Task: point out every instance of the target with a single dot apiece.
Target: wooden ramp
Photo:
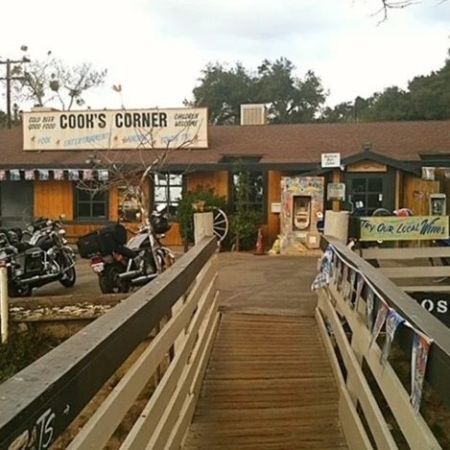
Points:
(269, 385)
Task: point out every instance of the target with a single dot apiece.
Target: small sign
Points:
(394, 228)
(336, 191)
(275, 207)
(438, 304)
(331, 160)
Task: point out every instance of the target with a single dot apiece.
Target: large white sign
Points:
(108, 129)
(331, 160)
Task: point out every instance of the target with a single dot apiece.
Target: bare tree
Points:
(47, 80)
(387, 5)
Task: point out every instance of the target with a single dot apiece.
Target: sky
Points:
(156, 49)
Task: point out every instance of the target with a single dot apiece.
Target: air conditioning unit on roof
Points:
(253, 114)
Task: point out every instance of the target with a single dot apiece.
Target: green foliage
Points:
(245, 221)
(21, 350)
(185, 212)
(290, 99)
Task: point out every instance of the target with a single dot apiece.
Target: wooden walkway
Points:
(269, 385)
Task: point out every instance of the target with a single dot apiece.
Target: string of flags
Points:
(54, 174)
(332, 266)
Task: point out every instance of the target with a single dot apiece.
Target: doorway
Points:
(16, 203)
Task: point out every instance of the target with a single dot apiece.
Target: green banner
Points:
(395, 228)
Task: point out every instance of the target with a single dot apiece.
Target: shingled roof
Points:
(275, 144)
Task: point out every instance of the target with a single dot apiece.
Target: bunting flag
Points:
(103, 175)
(29, 174)
(393, 320)
(369, 308)
(338, 275)
(74, 175)
(88, 174)
(58, 174)
(14, 175)
(419, 356)
(44, 174)
(2, 175)
(351, 285)
(343, 278)
(359, 288)
(379, 321)
(321, 280)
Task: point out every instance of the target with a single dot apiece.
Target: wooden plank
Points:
(404, 253)
(352, 426)
(416, 272)
(267, 393)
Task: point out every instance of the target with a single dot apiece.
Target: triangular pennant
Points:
(393, 320)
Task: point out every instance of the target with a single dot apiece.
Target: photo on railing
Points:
(358, 293)
(421, 347)
(393, 320)
(382, 313)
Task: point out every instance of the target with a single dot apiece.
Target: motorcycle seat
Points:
(125, 251)
(22, 246)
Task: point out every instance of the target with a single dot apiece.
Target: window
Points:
(249, 191)
(91, 205)
(168, 189)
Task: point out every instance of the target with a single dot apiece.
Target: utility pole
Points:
(8, 79)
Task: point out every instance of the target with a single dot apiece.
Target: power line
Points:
(8, 79)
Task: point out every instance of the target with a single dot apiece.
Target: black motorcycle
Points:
(37, 257)
(122, 265)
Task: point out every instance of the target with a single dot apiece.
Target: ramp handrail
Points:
(354, 352)
(40, 402)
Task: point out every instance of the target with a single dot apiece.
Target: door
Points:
(367, 192)
(16, 203)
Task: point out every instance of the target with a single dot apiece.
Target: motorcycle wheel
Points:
(70, 276)
(19, 291)
(109, 281)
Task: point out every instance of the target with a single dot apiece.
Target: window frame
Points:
(90, 218)
(167, 185)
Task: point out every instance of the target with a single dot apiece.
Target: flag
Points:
(321, 280)
(379, 321)
(419, 357)
(393, 320)
(369, 308)
(29, 174)
(58, 174)
(74, 175)
(359, 288)
(2, 175)
(88, 174)
(14, 175)
(103, 175)
(43, 174)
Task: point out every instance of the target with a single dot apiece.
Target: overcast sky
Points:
(156, 49)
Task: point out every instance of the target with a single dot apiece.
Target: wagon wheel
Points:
(220, 224)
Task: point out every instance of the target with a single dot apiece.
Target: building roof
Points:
(299, 144)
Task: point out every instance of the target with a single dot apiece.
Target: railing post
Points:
(203, 226)
(4, 303)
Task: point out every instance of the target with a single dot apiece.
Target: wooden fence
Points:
(362, 376)
(38, 404)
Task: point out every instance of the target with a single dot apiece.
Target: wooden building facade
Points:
(381, 166)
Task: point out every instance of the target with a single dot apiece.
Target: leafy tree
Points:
(290, 99)
(46, 80)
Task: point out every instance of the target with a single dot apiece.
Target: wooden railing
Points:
(39, 403)
(369, 387)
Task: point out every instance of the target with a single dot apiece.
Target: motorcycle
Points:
(36, 258)
(122, 265)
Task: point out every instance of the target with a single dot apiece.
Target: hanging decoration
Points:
(14, 175)
(419, 357)
(74, 175)
(29, 175)
(359, 288)
(88, 174)
(2, 175)
(43, 174)
(103, 175)
(58, 174)
(370, 305)
(382, 313)
(393, 320)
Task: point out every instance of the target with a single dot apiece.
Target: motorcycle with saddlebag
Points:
(121, 265)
